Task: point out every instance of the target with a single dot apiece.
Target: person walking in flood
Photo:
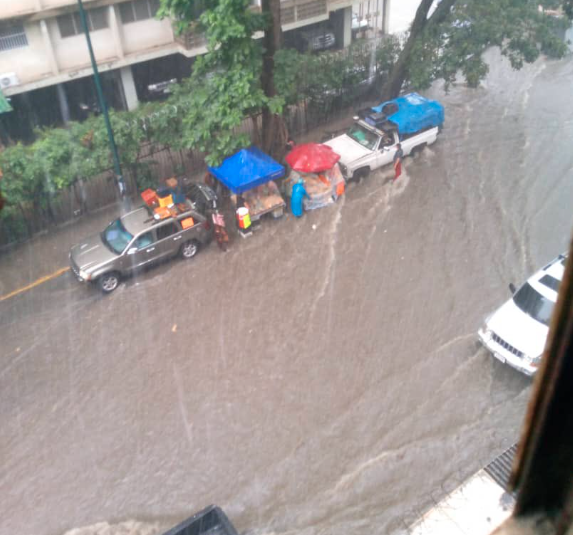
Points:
(297, 196)
(398, 155)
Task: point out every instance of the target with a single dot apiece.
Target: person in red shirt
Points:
(398, 155)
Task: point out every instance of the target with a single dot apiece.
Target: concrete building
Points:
(44, 57)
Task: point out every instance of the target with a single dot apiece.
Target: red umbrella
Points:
(312, 158)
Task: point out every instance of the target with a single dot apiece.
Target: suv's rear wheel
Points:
(189, 249)
(109, 282)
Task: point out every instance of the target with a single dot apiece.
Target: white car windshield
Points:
(534, 304)
(363, 136)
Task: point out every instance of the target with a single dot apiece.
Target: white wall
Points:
(402, 14)
(145, 34)
(72, 52)
(14, 8)
(29, 62)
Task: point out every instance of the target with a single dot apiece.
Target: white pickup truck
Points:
(364, 148)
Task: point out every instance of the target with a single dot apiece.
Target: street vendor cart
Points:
(249, 174)
(316, 164)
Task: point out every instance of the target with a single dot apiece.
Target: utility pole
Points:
(117, 166)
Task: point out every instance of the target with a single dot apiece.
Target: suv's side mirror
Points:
(133, 250)
(512, 288)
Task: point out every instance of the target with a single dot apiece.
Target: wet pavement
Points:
(323, 376)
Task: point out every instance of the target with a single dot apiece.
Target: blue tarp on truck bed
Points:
(414, 113)
(247, 169)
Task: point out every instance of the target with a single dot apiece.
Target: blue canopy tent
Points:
(247, 169)
(411, 113)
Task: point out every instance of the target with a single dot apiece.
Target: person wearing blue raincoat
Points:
(298, 194)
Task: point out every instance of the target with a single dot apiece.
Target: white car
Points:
(516, 333)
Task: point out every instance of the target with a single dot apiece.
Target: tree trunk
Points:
(274, 135)
(256, 134)
(399, 72)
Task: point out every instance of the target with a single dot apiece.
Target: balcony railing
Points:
(297, 10)
(16, 40)
(291, 11)
(192, 38)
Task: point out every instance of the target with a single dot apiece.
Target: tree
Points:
(234, 79)
(450, 36)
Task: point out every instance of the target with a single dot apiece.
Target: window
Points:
(138, 10)
(71, 24)
(145, 240)
(363, 136)
(116, 237)
(166, 230)
(534, 304)
(12, 35)
(550, 282)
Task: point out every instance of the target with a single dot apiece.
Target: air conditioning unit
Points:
(8, 79)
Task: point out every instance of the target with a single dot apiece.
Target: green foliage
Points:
(225, 85)
(456, 44)
(336, 78)
(20, 181)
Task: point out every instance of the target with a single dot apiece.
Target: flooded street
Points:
(323, 377)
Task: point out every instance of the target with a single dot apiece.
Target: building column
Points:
(63, 101)
(114, 26)
(49, 48)
(128, 85)
(386, 16)
(346, 26)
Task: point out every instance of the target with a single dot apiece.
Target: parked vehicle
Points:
(161, 90)
(210, 521)
(316, 39)
(204, 199)
(359, 24)
(371, 142)
(137, 240)
(515, 334)
(365, 148)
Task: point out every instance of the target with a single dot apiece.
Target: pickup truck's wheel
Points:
(418, 149)
(189, 249)
(109, 282)
(359, 174)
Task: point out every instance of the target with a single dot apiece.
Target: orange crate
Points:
(162, 212)
(187, 222)
(149, 196)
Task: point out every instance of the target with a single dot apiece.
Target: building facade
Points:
(44, 57)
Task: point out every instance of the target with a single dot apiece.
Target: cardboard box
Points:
(166, 201)
(187, 222)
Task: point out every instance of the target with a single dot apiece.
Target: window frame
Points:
(75, 21)
(128, 13)
(175, 223)
(12, 35)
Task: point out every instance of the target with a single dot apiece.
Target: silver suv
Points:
(138, 240)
